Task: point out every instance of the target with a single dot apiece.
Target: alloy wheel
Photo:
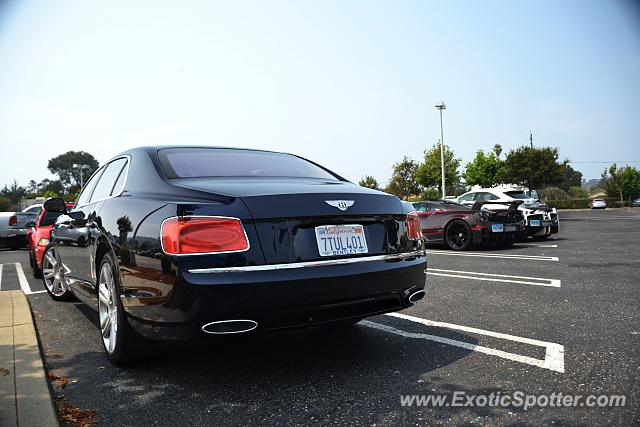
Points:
(457, 235)
(108, 308)
(53, 273)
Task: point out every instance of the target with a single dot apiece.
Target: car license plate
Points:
(497, 228)
(534, 223)
(334, 240)
(510, 227)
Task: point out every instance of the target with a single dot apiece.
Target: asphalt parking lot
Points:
(554, 316)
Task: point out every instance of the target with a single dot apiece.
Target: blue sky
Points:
(349, 84)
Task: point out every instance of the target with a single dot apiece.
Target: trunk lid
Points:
(286, 212)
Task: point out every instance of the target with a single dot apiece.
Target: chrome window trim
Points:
(321, 263)
(105, 166)
(205, 253)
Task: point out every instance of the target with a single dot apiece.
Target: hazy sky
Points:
(349, 84)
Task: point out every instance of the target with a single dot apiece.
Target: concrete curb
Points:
(25, 399)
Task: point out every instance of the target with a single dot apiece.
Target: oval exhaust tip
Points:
(223, 327)
(416, 296)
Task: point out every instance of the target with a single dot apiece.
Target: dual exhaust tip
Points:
(225, 327)
(240, 326)
(416, 296)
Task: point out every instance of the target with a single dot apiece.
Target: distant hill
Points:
(588, 185)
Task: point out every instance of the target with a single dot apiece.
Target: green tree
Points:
(49, 186)
(429, 173)
(369, 182)
(14, 192)
(5, 203)
(32, 188)
(484, 170)
(69, 175)
(578, 193)
(571, 178)
(533, 167)
(403, 180)
(430, 194)
(621, 182)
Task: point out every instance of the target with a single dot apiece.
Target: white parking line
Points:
(24, 285)
(498, 255)
(535, 281)
(554, 353)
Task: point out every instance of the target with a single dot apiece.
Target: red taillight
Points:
(199, 235)
(413, 226)
(13, 220)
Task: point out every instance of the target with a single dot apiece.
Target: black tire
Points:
(37, 271)
(457, 235)
(127, 347)
(53, 276)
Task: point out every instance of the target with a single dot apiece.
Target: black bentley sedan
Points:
(168, 243)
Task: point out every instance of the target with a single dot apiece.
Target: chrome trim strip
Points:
(329, 262)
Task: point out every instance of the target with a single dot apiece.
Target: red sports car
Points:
(38, 238)
(461, 227)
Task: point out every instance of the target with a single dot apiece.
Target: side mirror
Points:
(30, 224)
(56, 204)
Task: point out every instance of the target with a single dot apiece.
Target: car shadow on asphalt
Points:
(340, 376)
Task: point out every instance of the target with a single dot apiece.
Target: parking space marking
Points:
(498, 255)
(537, 245)
(535, 281)
(554, 353)
(24, 285)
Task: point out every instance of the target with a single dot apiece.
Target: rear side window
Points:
(520, 195)
(84, 197)
(467, 197)
(119, 185)
(225, 162)
(485, 197)
(420, 207)
(108, 180)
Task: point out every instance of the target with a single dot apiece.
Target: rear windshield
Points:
(225, 162)
(517, 194)
(49, 218)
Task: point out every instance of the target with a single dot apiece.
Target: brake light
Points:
(13, 220)
(203, 235)
(414, 230)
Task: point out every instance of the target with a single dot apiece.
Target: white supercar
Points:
(541, 220)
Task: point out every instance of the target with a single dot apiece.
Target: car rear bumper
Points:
(275, 298)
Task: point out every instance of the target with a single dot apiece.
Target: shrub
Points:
(430, 194)
(578, 193)
(569, 203)
(552, 193)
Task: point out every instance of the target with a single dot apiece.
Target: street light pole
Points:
(441, 106)
(81, 167)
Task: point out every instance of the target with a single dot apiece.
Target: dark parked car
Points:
(462, 227)
(176, 242)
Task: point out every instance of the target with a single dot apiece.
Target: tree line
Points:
(67, 185)
(535, 168)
